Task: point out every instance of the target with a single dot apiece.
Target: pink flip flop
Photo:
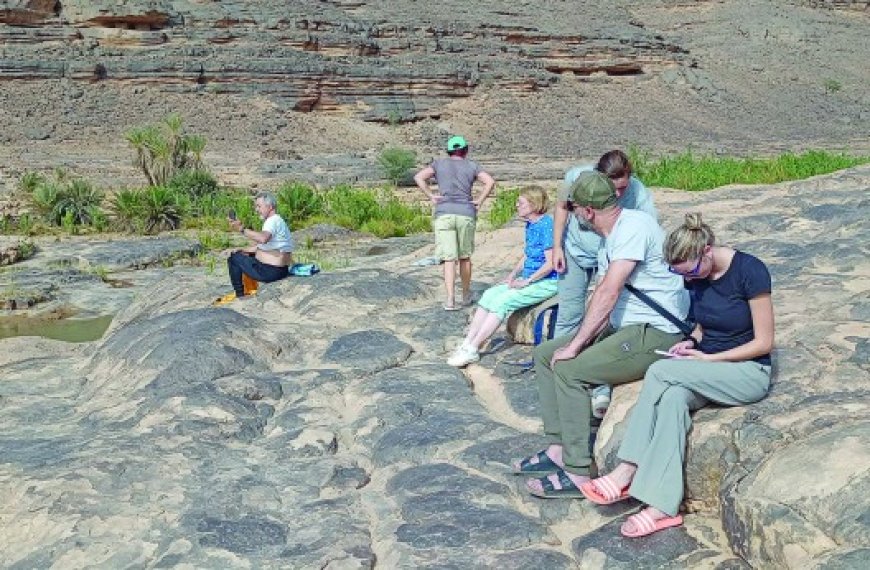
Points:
(646, 525)
(611, 493)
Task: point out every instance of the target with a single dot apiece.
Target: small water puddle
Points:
(69, 330)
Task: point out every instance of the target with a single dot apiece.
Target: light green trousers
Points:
(616, 357)
(657, 429)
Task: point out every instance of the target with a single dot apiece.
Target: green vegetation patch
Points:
(503, 207)
(689, 171)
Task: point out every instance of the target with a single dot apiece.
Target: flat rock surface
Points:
(317, 424)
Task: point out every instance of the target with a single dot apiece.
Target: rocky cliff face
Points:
(348, 58)
(314, 90)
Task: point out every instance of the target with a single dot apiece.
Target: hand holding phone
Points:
(231, 214)
(665, 353)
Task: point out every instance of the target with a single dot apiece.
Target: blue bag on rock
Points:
(304, 269)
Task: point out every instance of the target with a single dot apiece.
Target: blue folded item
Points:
(304, 269)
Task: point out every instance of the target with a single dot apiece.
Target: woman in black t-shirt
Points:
(726, 361)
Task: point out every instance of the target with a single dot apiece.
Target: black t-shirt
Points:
(721, 307)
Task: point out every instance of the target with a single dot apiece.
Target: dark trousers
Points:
(239, 263)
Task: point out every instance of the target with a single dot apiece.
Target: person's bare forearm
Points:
(542, 272)
(597, 316)
(560, 221)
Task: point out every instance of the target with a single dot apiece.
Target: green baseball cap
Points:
(594, 190)
(456, 143)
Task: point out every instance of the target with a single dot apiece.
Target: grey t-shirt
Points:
(581, 242)
(455, 177)
(638, 237)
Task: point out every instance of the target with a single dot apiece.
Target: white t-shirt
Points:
(638, 237)
(581, 242)
(281, 239)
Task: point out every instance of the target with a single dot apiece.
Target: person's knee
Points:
(543, 353)
(675, 398)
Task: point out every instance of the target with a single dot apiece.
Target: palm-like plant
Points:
(163, 149)
(161, 209)
(77, 201)
(126, 209)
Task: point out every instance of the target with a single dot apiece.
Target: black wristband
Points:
(694, 342)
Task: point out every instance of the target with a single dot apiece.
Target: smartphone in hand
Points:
(665, 353)
(231, 214)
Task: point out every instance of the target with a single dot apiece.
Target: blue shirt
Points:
(721, 307)
(582, 243)
(539, 238)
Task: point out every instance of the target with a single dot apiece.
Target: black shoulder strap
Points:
(684, 327)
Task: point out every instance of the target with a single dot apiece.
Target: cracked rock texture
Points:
(317, 425)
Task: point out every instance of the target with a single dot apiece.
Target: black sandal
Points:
(567, 490)
(544, 465)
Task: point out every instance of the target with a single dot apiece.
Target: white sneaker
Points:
(464, 356)
(600, 400)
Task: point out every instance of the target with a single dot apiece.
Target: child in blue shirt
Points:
(531, 281)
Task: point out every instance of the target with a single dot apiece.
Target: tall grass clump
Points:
(504, 207)
(690, 171)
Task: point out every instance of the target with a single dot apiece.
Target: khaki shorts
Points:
(454, 236)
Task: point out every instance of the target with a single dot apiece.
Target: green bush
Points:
(397, 163)
(126, 209)
(66, 201)
(194, 183)
(78, 201)
(163, 150)
(298, 202)
(504, 207)
(162, 209)
(350, 207)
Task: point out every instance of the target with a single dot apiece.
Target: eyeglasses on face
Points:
(691, 273)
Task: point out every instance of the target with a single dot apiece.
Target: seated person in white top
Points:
(269, 257)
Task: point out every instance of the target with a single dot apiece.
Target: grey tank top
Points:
(455, 177)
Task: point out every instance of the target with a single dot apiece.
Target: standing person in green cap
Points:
(455, 213)
(616, 341)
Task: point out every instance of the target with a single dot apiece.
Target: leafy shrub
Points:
(126, 209)
(503, 207)
(162, 209)
(66, 201)
(45, 196)
(298, 202)
(351, 207)
(194, 183)
(397, 163)
(99, 220)
(162, 150)
(78, 200)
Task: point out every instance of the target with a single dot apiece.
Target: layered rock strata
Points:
(356, 59)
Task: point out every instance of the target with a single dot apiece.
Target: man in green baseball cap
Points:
(454, 215)
(593, 190)
(617, 339)
(456, 143)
